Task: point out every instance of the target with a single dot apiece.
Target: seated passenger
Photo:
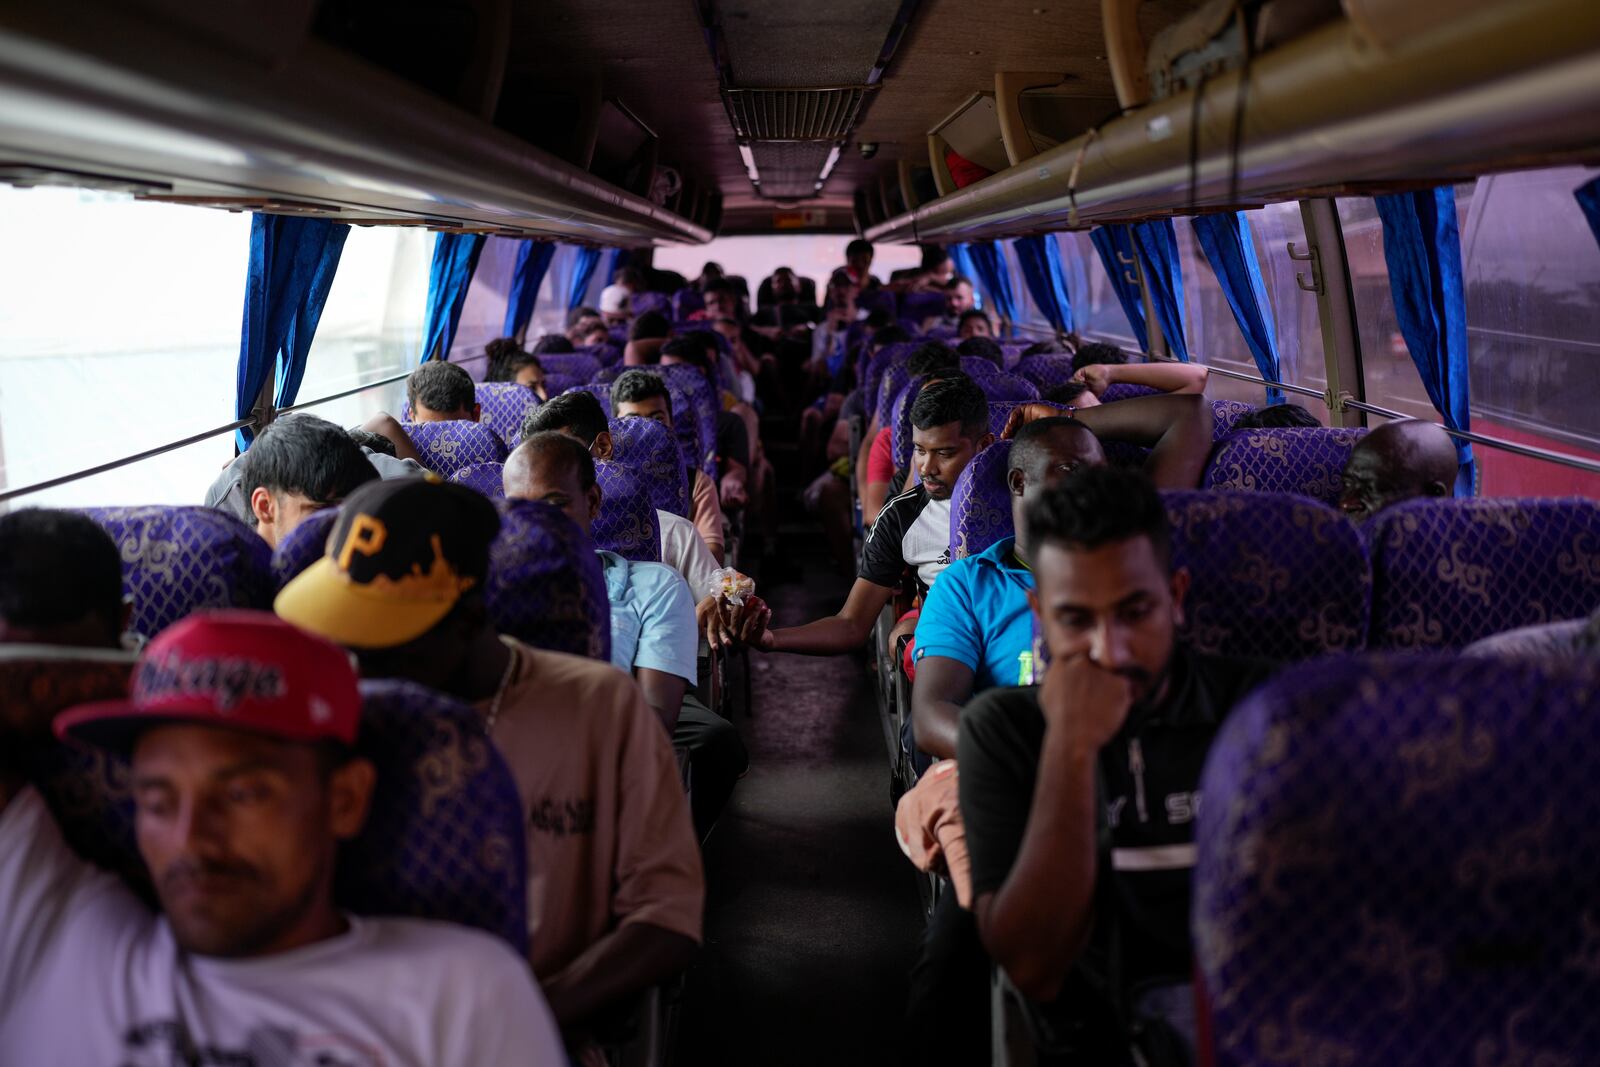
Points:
(982, 346)
(441, 392)
(1398, 461)
(1168, 377)
(581, 321)
(243, 796)
(645, 338)
(553, 344)
(829, 337)
(950, 424)
(722, 302)
(616, 299)
(858, 263)
(593, 334)
(974, 323)
(509, 363)
(60, 581)
(1097, 352)
(734, 445)
(653, 631)
(1074, 394)
(581, 416)
(638, 394)
(959, 298)
(615, 888)
(1276, 416)
(876, 458)
(1115, 738)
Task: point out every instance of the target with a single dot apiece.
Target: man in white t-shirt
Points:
(239, 729)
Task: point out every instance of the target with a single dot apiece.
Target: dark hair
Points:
(931, 356)
(952, 400)
(858, 246)
(565, 450)
(634, 386)
(1066, 392)
(309, 456)
(879, 319)
(893, 334)
(719, 285)
(1041, 348)
(1097, 352)
(1100, 505)
(375, 441)
(688, 348)
(630, 277)
(957, 279)
(933, 255)
(500, 352)
(440, 386)
(581, 313)
(840, 279)
(973, 313)
(552, 344)
(578, 411)
(57, 567)
(650, 325)
(1275, 416)
(983, 348)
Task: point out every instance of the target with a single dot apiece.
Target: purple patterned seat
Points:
(980, 503)
(1224, 413)
(1124, 391)
(686, 302)
(178, 560)
(607, 354)
(304, 545)
(627, 524)
(999, 412)
(554, 384)
(601, 391)
(446, 447)
(880, 299)
(545, 585)
(1000, 386)
(1274, 577)
(921, 306)
(486, 478)
(895, 378)
(979, 369)
(650, 448)
(900, 423)
(1000, 409)
(1013, 351)
(644, 303)
(505, 406)
(619, 336)
(1047, 371)
(605, 376)
(1303, 460)
(691, 390)
(1447, 572)
(944, 331)
(1398, 863)
(878, 365)
(578, 364)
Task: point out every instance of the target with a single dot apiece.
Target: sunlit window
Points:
(1096, 311)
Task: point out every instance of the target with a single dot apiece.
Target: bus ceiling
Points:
(617, 123)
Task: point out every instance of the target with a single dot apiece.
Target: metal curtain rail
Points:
(1531, 451)
(149, 453)
(348, 392)
(1256, 380)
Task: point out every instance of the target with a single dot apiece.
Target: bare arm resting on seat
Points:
(942, 684)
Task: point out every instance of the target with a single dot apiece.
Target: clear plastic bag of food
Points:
(730, 586)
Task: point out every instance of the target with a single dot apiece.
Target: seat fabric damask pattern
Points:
(178, 560)
(1399, 864)
(446, 447)
(895, 379)
(486, 478)
(601, 391)
(1125, 391)
(980, 504)
(607, 354)
(686, 302)
(304, 545)
(627, 524)
(504, 407)
(1224, 413)
(1012, 388)
(651, 449)
(690, 390)
(1277, 578)
(545, 584)
(578, 364)
(644, 303)
(1046, 371)
(1447, 572)
(872, 375)
(1303, 460)
(920, 306)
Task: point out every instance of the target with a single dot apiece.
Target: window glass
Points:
(483, 313)
(371, 327)
(1210, 329)
(550, 308)
(1096, 312)
(1296, 321)
(811, 256)
(119, 332)
(1030, 320)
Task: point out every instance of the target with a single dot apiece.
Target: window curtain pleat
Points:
(1113, 243)
(620, 257)
(1157, 243)
(527, 274)
(1588, 197)
(588, 259)
(292, 264)
(1045, 278)
(995, 279)
(961, 255)
(1230, 250)
(1422, 248)
(455, 259)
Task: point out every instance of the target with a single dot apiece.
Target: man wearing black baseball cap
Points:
(239, 728)
(615, 886)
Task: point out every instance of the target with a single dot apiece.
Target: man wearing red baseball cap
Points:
(239, 729)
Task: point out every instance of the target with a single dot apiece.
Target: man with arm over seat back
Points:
(615, 887)
(1079, 795)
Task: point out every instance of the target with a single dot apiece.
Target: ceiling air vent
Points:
(789, 170)
(794, 114)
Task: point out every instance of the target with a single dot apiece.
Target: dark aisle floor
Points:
(812, 914)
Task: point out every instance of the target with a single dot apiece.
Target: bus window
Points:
(1031, 322)
(119, 332)
(812, 256)
(483, 314)
(1095, 307)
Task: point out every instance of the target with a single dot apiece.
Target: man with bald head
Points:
(1398, 461)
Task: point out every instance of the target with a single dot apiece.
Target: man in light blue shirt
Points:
(654, 635)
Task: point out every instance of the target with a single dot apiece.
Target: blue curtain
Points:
(291, 268)
(1229, 249)
(961, 256)
(990, 264)
(1588, 195)
(455, 258)
(1045, 277)
(582, 275)
(533, 260)
(1157, 243)
(1114, 242)
(620, 257)
(1422, 247)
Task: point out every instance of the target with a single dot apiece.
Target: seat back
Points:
(627, 523)
(1302, 460)
(545, 584)
(694, 413)
(921, 306)
(878, 366)
(651, 449)
(979, 369)
(581, 364)
(895, 377)
(486, 478)
(179, 559)
(304, 545)
(1047, 371)
(1271, 577)
(1125, 391)
(1224, 413)
(980, 503)
(686, 302)
(446, 447)
(1398, 863)
(643, 303)
(607, 354)
(601, 391)
(1447, 572)
(506, 405)
(1001, 386)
